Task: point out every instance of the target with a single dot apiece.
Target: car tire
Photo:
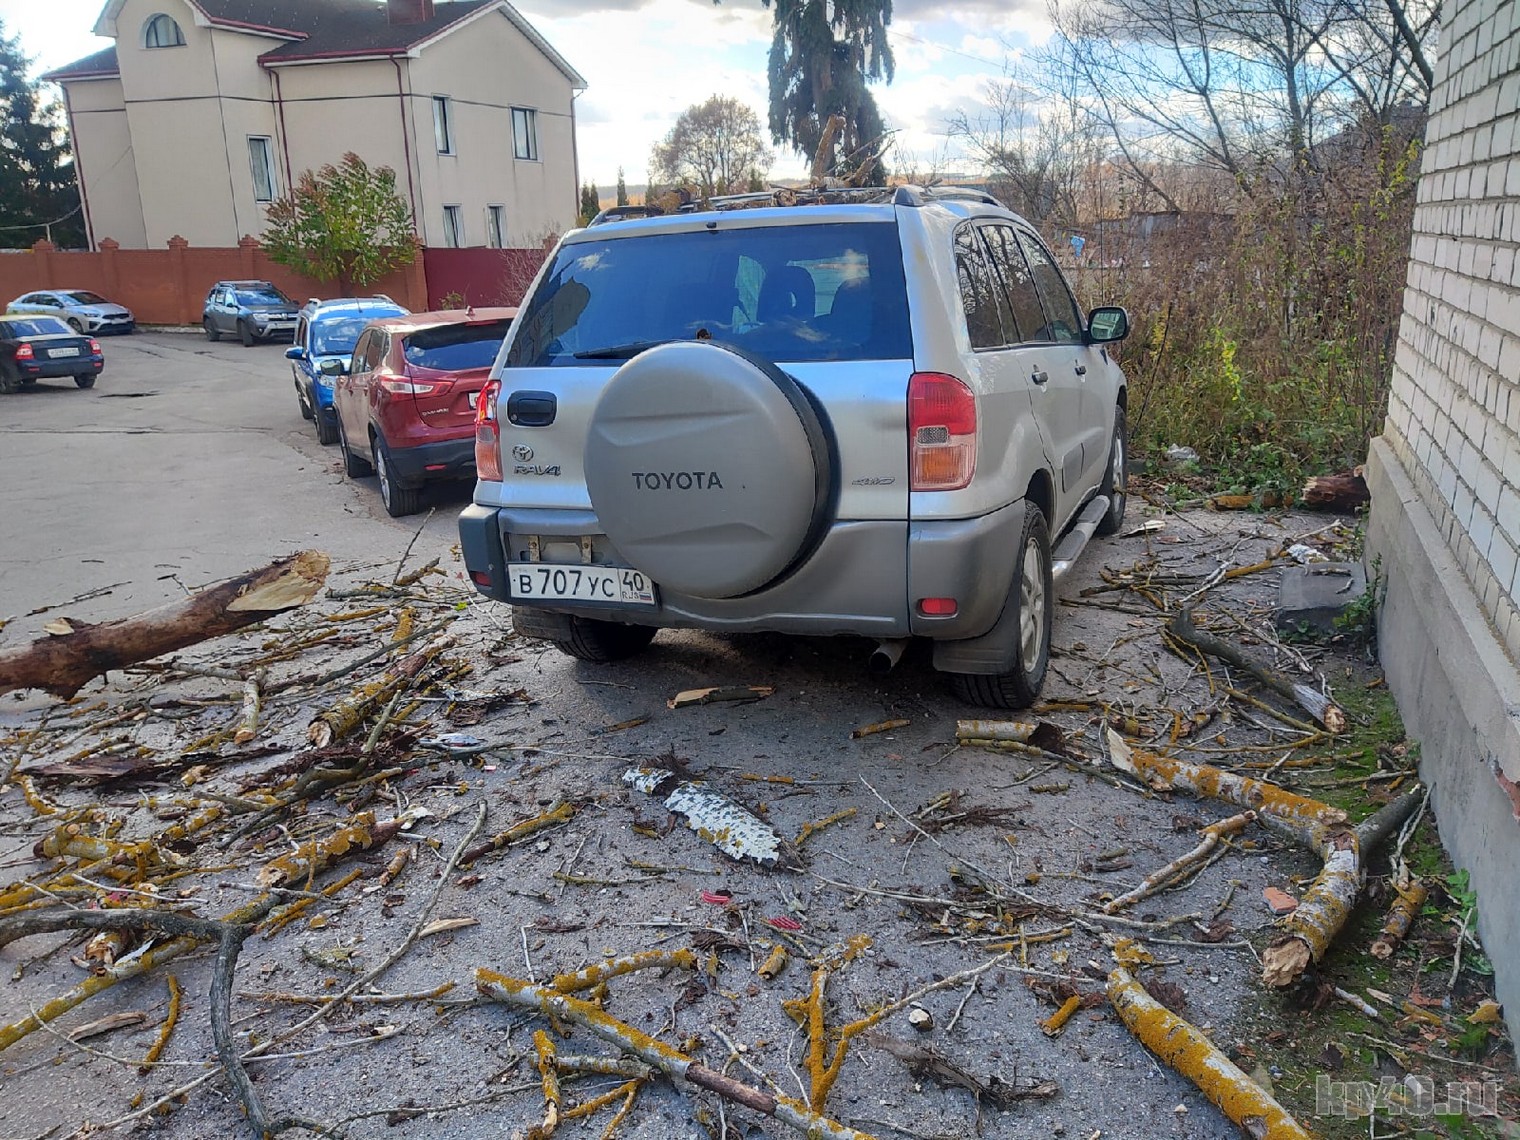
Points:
(601, 642)
(212, 332)
(245, 334)
(1032, 598)
(85, 379)
(399, 501)
(354, 466)
(303, 403)
(1116, 479)
(76, 324)
(9, 381)
(327, 428)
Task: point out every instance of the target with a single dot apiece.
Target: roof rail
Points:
(918, 195)
(617, 213)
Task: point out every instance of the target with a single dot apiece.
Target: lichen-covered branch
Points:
(1400, 918)
(1189, 1052)
(1184, 865)
(551, 1003)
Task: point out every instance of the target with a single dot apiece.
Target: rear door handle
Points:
(1041, 377)
(1081, 370)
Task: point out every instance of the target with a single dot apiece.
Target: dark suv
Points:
(250, 310)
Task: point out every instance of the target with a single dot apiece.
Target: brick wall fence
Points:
(1445, 474)
(169, 286)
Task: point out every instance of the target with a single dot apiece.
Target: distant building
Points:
(207, 110)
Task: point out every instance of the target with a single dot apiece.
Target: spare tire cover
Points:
(708, 468)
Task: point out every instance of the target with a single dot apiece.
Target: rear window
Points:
(456, 348)
(788, 293)
(33, 326)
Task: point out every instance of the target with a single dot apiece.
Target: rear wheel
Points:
(245, 333)
(602, 641)
(1116, 480)
(9, 381)
(303, 403)
(1029, 608)
(354, 466)
(212, 332)
(85, 379)
(399, 501)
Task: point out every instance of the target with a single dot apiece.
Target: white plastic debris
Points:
(728, 826)
(1304, 554)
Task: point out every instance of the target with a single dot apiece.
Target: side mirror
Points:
(1107, 323)
(333, 368)
(295, 352)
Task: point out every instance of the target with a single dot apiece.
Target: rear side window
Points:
(980, 300)
(1023, 297)
(337, 336)
(1065, 323)
(455, 348)
(787, 293)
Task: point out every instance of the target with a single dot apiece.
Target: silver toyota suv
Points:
(860, 412)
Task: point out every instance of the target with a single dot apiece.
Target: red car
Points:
(406, 402)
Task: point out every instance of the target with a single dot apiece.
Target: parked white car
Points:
(80, 309)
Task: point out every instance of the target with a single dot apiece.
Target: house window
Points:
(453, 227)
(161, 31)
(496, 227)
(525, 134)
(261, 163)
(443, 123)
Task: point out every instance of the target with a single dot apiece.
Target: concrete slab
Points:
(1315, 595)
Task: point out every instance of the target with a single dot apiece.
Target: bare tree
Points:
(714, 148)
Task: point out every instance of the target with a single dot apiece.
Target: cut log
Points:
(63, 664)
(1346, 492)
(1311, 700)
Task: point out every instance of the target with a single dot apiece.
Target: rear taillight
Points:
(941, 432)
(24, 352)
(487, 438)
(404, 387)
(95, 346)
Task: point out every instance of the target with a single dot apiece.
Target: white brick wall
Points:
(1454, 412)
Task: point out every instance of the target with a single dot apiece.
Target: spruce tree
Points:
(591, 203)
(622, 189)
(37, 183)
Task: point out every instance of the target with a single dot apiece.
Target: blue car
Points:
(328, 330)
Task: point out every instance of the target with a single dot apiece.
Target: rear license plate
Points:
(56, 352)
(544, 581)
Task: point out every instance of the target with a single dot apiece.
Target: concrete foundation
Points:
(1459, 695)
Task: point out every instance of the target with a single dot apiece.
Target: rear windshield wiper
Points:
(618, 351)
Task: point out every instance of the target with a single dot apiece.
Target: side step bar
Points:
(1070, 548)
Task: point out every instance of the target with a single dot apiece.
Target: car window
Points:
(1060, 310)
(47, 299)
(455, 348)
(33, 326)
(269, 296)
(338, 335)
(85, 297)
(979, 291)
(361, 349)
(832, 291)
(1018, 283)
(30, 299)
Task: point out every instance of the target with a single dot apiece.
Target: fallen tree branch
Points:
(551, 1003)
(1184, 865)
(1325, 906)
(1311, 700)
(63, 664)
(1185, 1049)
(1400, 919)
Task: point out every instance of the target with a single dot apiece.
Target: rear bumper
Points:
(863, 578)
(74, 366)
(446, 459)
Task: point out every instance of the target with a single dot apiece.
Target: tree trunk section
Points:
(63, 664)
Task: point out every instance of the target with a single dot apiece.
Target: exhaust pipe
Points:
(886, 655)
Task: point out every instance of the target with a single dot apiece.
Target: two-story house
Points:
(205, 111)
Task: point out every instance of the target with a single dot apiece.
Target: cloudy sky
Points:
(647, 60)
